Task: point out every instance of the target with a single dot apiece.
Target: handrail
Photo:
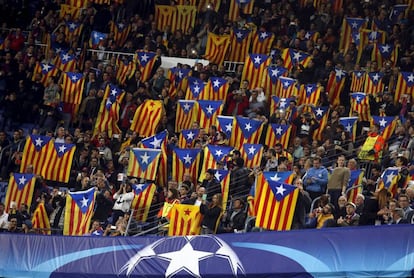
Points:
(353, 187)
(152, 229)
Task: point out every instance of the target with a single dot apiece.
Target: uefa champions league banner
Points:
(336, 252)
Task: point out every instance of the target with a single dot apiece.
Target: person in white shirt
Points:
(4, 222)
(122, 201)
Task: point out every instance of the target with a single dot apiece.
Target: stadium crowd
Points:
(321, 168)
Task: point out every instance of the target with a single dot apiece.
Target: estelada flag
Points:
(147, 117)
(143, 163)
(141, 203)
(20, 190)
(40, 220)
(78, 212)
(185, 220)
(59, 162)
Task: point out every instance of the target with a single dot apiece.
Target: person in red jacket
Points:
(236, 102)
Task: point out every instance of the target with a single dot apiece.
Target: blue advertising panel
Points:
(336, 252)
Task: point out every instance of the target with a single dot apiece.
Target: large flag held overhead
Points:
(141, 203)
(72, 87)
(254, 69)
(66, 62)
(20, 190)
(225, 124)
(310, 94)
(385, 52)
(45, 70)
(321, 116)
(349, 125)
(78, 212)
(292, 58)
(59, 162)
(252, 154)
(186, 114)
(360, 104)
(349, 27)
(212, 156)
(217, 88)
(96, 39)
(35, 153)
(40, 220)
(147, 117)
(223, 176)
(389, 180)
(185, 161)
(73, 30)
(278, 133)
(357, 81)
(125, 69)
(216, 48)
(164, 16)
(185, 17)
(208, 112)
(405, 85)
(143, 163)
(286, 87)
(185, 220)
(335, 86)
(246, 131)
(120, 31)
(240, 44)
(270, 79)
(262, 42)
(373, 83)
(276, 202)
(387, 126)
(187, 138)
(146, 62)
(196, 89)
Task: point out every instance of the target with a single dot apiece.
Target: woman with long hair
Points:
(375, 207)
(211, 212)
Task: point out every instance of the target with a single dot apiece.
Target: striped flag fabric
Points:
(143, 163)
(251, 200)
(286, 87)
(246, 131)
(240, 44)
(262, 42)
(321, 115)
(387, 126)
(20, 190)
(185, 17)
(96, 39)
(357, 81)
(350, 126)
(311, 35)
(223, 176)
(349, 27)
(354, 180)
(66, 62)
(196, 89)
(40, 220)
(125, 69)
(184, 220)
(77, 3)
(187, 138)
(78, 212)
(292, 58)
(335, 86)
(389, 180)
(309, 94)
(208, 112)
(141, 203)
(271, 78)
(120, 32)
(186, 114)
(254, 69)
(398, 12)
(164, 16)
(252, 154)
(278, 133)
(373, 83)
(216, 48)
(212, 155)
(45, 70)
(217, 88)
(360, 104)
(75, 12)
(366, 38)
(225, 124)
(73, 30)
(146, 62)
(35, 153)
(238, 6)
(147, 117)
(276, 205)
(405, 85)
(385, 52)
(279, 103)
(60, 157)
(185, 161)
(72, 87)
(108, 115)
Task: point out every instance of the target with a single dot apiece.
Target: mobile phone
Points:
(113, 227)
(204, 197)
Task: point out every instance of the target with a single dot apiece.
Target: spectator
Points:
(339, 179)
(234, 219)
(316, 179)
(351, 218)
(212, 213)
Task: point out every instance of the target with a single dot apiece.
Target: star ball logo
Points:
(189, 255)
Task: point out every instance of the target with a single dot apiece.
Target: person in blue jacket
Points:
(316, 179)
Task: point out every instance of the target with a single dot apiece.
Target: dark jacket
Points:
(211, 216)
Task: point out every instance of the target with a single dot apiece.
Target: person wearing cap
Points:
(351, 218)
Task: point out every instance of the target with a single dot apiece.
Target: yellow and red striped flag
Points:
(223, 176)
(373, 83)
(147, 117)
(350, 126)
(217, 88)
(187, 138)
(66, 62)
(278, 133)
(389, 180)
(405, 85)
(335, 86)
(252, 154)
(196, 89)
(141, 203)
(61, 157)
(276, 203)
(360, 104)
(292, 58)
(237, 6)
(185, 220)
(143, 163)
(385, 52)
(349, 26)
(357, 81)
(185, 17)
(164, 16)
(321, 115)
(208, 110)
(121, 31)
(387, 126)
(35, 153)
(40, 220)
(262, 42)
(186, 161)
(46, 71)
(78, 212)
(72, 87)
(216, 48)
(354, 180)
(187, 111)
(125, 69)
(212, 155)
(246, 131)
(365, 38)
(309, 94)
(108, 115)
(240, 44)
(286, 87)
(146, 62)
(20, 190)
(77, 3)
(225, 124)
(254, 69)
(75, 12)
(209, 4)
(73, 30)
(271, 78)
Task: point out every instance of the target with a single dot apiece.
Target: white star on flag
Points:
(358, 98)
(62, 148)
(279, 130)
(339, 73)
(376, 77)
(239, 35)
(319, 112)
(144, 158)
(210, 109)
(280, 190)
(385, 48)
(229, 127)
(121, 26)
(180, 74)
(216, 83)
(114, 92)
(187, 159)
(257, 60)
(354, 25)
(282, 103)
(46, 67)
(252, 150)
(383, 122)
(22, 180)
(140, 186)
(247, 127)
(144, 57)
(218, 175)
(275, 177)
(84, 202)
(196, 89)
(286, 84)
(72, 25)
(307, 35)
(309, 89)
(218, 153)
(38, 142)
(359, 74)
(296, 56)
(358, 37)
(65, 57)
(411, 78)
(275, 72)
(190, 135)
(264, 35)
(156, 143)
(390, 177)
(348, 128)
(186, 106)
